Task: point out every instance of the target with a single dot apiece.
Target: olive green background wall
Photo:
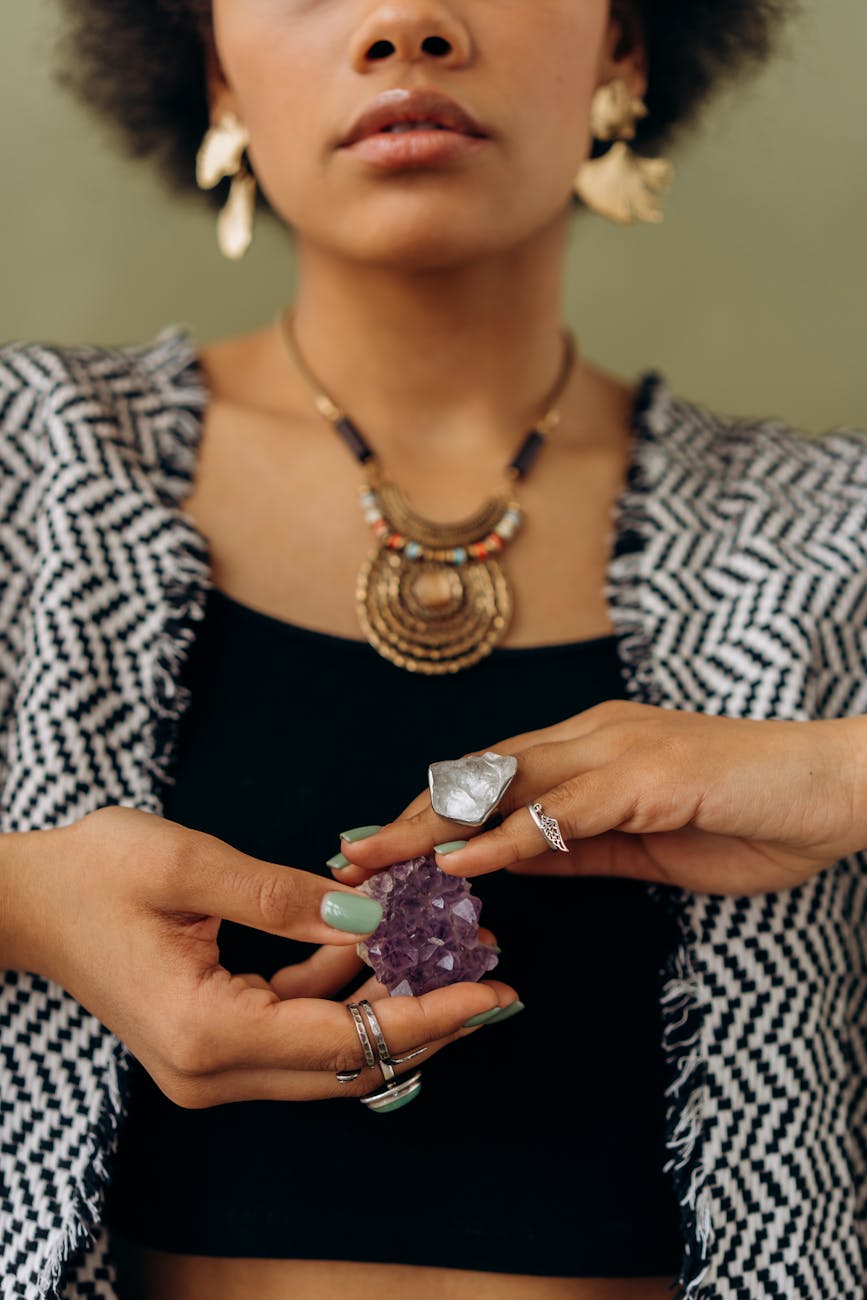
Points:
(751, 296)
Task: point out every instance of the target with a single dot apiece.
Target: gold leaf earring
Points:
(621, 185)
(221, 154)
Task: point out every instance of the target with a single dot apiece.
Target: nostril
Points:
(435, 45)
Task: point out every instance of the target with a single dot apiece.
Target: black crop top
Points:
(536, 1146)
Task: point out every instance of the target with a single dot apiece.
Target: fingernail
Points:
(492, 947)
(351, 912)
(483, 1018)
(359, 833)
(337, 863)
(451, 846)
(505, 1013)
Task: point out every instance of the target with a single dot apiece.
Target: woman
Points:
(425, 156)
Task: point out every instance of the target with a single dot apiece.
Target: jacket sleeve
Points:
(27, 380)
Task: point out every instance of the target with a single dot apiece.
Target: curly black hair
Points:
(141, 66)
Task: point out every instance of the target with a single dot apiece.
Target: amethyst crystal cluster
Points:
(429, 932)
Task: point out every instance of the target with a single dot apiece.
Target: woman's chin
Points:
(421, 241)
(438, 251)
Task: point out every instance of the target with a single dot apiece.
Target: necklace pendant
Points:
(431, 598)
(430, 617)
(431, 589)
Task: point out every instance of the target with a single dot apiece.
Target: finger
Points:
(579, 725)
(255, 981)
(257, 1084)
(585, 806)
(542, 767)
(419, 837)
(613, 854)
(209, 877)
(370, 989)
(417, 828)
(322, 975)
(237, 1026)
(354, 875)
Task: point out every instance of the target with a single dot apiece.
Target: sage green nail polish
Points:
(351, 912)
(483, 1018)
(359, 833)
(337, 863)
(493, 947)
(505, 1013)
(451, 846)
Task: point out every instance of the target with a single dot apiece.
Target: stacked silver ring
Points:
(397, 1092)
(349, 1076)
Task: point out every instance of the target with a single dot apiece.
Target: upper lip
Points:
(394, 106)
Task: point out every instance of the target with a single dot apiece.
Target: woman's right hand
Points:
(122, 909)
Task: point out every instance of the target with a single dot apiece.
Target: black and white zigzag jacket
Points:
(737, 584)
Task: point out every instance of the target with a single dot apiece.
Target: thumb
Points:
(212, 878)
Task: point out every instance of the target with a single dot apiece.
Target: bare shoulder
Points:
(247, 372)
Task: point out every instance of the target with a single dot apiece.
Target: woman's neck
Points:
(459, 359)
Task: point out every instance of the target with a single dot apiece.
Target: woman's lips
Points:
(417, 148)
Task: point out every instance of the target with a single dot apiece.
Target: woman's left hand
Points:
(711, 804)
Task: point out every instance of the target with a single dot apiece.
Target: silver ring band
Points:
(385, 1062)
(349, 1076)
(549, 826)
(394, 1094)
(410, 1056)
(361, 1029)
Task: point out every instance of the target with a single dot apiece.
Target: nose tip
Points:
(402, 32)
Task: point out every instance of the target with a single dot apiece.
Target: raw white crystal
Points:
(467, 790)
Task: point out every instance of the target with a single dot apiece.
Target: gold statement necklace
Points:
(431, 597)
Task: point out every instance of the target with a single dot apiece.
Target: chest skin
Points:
(277, 500)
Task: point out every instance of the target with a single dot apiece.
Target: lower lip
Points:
(415, 148)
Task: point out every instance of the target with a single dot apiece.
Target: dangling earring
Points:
(222, 154)
(621, 185)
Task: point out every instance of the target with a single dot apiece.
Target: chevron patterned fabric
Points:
(737, 585)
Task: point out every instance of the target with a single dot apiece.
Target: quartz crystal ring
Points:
(549, 826)
(467, 790)
(349, 1076)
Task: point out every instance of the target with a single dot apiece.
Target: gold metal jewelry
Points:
(221, 154)
(615, 110)
(621, 185)
(429, 616)
(235, 222)
(431, 597)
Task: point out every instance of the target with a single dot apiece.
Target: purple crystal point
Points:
(429, 932)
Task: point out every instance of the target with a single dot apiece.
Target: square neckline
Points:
(650, 402)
